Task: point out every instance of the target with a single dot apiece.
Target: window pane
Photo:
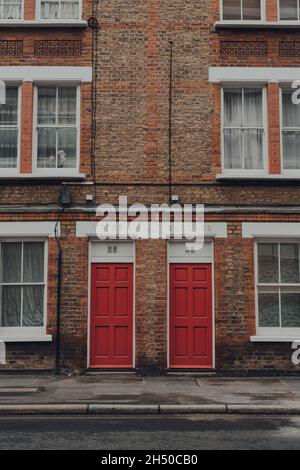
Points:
(67, 105)
(46, 105)
(233, 149)
(290, 310)
(12, 9)
(268, 268)
(288, 10)
(289, 262)
(50, 10)
(251, 10)
(66, 154)
(291, 150)
(233, 108)
(253, 107)
(33, 260)
(9, 111)
(69, 10)
(268, 310)
(290, 111)
(11, 255)
(253, 149)
(33, 306)
(8, 148)
(11, 306)
(46, 152)
(231, 9)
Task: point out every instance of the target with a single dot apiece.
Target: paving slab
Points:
(133, 390)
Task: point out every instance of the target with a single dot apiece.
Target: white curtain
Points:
(46, 155)
(13, 272)
(12, 9)
(57, 145)
(33, 306)
(291, 137)
(289, 9)
(66, 105)
(243, 129)
(11, 256)
(33, 262)
(69, 10)
(50, 10)
(66, 10)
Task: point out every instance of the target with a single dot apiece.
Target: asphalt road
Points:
(150, 433)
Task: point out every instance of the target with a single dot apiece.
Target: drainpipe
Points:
(58, 301)
(170, 120)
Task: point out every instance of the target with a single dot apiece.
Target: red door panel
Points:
(111, 329)
(191, 328)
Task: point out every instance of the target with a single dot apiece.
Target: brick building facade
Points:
(150, 99)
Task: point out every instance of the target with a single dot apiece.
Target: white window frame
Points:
(288, 21)
(285, 172)
(289, 334)
(38, 13)
(29, 333)
(262, 14)
(15, 170)
(241, 171)
(57, 171)
(12, 19)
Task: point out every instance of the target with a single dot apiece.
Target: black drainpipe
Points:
(58, 301)
(170, 120)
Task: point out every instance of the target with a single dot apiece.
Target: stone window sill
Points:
(228, 24)
(43, 24)
(272, 339)
(26, 339)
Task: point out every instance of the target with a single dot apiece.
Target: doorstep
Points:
(191, 373)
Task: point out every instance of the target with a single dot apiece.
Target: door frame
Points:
(111, 259)
(197, 260)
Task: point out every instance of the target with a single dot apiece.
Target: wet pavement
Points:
(130, 389)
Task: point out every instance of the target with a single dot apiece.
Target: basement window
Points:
(241, 10)
(60, 9)
(278, 288)
(22, 288)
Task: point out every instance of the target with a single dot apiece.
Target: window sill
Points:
(227, 176)
(26, 339)
(272, 339)
(51, 176)
(231, 24)
(43, 24)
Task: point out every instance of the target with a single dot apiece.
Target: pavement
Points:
(129, 394)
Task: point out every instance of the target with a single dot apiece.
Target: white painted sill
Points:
(272, 339)
(43, 24)
(26, 339)
(4, 175)
(231, 24)
(259, 176)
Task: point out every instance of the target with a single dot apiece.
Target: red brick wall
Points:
(26, 127)
(274, 130)
(132, 137)
(29, 9)
(272, 10)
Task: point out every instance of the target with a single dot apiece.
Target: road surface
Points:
(150, 433)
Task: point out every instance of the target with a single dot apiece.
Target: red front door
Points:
(111, 330)
(191, 334)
